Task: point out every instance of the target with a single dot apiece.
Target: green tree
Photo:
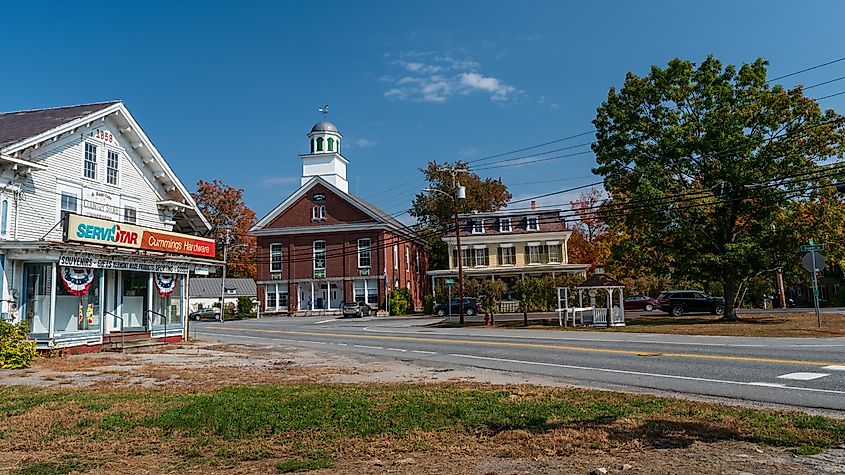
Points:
(435, 212)
(707, 151)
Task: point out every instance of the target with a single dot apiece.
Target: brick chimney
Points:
(533, 205)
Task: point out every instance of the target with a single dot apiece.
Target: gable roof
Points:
(29, 129)
(202, 287)
(20, 125)
(380, 217)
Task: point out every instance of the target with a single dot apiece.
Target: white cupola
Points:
(325, 159)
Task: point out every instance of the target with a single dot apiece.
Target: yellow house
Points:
(510, 244)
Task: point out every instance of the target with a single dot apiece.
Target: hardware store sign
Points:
(109, 233)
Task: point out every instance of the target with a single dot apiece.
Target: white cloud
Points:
(417, 67)
(365, 143)
(429, 77)
(273, 181)
(497, 88)
(470, 152)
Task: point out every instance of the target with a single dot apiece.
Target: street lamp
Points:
(459, 193)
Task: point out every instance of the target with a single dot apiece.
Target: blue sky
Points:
(228, 90)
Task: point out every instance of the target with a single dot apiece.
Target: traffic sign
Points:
(812, 247)
(807, 262)
(450, 282)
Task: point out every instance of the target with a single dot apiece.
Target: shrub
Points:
(16, 350)
(245, 306)
(400, 301)
(428, 304)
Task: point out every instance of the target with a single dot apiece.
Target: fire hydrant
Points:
(487, 319)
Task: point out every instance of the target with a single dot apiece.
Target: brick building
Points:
(323, 246)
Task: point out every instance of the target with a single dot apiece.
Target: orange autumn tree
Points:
(590, 241)
(224, 207)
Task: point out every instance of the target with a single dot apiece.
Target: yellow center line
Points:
(540, 345)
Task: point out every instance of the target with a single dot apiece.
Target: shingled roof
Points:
(21, 125)
(209, 287)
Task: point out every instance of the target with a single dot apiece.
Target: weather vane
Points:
(324, 110)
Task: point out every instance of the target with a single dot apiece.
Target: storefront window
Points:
(167, 300)
(77, 300)
(134, 309)
(37, 299)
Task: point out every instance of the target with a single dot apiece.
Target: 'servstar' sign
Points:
(108, 233)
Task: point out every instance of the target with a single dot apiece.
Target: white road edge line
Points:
(640, 373)
(803, 376)
(325, 321)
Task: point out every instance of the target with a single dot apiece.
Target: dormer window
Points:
(532, 224)
(504, 225)
(478, 226)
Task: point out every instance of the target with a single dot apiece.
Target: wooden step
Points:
(135, 346)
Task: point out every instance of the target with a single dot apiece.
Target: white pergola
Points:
(603, 282)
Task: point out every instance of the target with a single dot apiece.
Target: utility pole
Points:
(223, 280)
(458, 192)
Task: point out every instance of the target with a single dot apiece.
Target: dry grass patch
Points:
(293, 427)
(767, 325)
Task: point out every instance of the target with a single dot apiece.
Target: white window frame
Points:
(71, 189)
(278, 252)
(478, 226)
(116, 168)
(553, 245)
(481, 256)
(502, 227)
(528, 226)
(396, 257)
(4, 218)
(271, 289)
(364, 251)
(85, 160)
(510, 255)
(533, 250)
(319, 250)
(127, 208)
(407, 259)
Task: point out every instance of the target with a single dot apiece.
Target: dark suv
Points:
(470, 307)
(679, 302)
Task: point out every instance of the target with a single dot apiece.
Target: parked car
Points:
(679, 302)
(355, 309)
(470, 307)
(205, 314)
(641, 302)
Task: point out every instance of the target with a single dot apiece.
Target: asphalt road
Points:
(807, 373)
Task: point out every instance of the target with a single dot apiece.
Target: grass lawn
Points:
(294, 428)
(765, 324)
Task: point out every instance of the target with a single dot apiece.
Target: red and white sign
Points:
(109, 233)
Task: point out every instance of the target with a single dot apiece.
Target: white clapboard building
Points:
(97, 234)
